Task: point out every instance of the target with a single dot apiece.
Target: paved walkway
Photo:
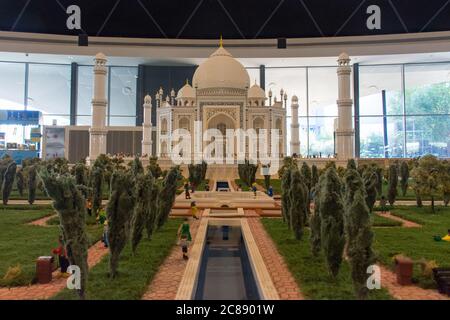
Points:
(282, 278)
(46, 291)
(43, 221)
(164, 285)
(389, 281)
(405, 223)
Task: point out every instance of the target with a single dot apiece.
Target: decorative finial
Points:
(221, 41)
(187, 81)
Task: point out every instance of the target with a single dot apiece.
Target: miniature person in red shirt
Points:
(62, 255)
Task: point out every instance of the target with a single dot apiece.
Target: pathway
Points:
(164, 285)
(46, 291)
(405, 223)
(412, 292)
(42, 222)
(282, 278)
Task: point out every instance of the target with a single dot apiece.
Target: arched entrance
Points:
(222, 122)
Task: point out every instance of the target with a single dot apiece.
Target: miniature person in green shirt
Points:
(184, 234)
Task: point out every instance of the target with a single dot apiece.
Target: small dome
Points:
(343, 56)
(186, 92)
(221, 70)
(100, 56)
(294, 99)
(256, 92)
(147, 99)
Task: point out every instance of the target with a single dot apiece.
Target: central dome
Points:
(221, 70)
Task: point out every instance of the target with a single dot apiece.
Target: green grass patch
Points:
(202, 185)
(275, 183)
(243, 185)
(311, 272)
(416, 243)
(21, 244)
(135, 272)
(380, 221)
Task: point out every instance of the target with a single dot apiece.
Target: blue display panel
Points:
(23, 117)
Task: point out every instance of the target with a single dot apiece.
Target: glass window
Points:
(254, 76)
(12, 85)
(322, 91)
(372, 137)
(428, 134)
(123, 92)
(321, 136)
(292, 81)
(84, 120)
(427, 88)
(122, 121)
(49, 88)
(85, 90)
(374, 80)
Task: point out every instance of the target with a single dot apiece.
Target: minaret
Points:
(147, 127)
(98, 132)
(345, 134)
(295, 135)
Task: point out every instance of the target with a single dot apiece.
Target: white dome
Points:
(256, 92)
(221, 70)
(186, 92)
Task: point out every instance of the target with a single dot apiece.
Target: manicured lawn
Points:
(310, 272)
(378, 221)
(243, 185)
(135, 272)
(21, 244)
(202, 185)
(416, 243)
(275, 183)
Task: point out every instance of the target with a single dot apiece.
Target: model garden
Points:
(115, 221)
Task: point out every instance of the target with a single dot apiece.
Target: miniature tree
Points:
(404, 175)
(154, 167)
(288, 163)
(8, 181)
(20, 182)
(32, 183)
(351, 164)
(445, 182)
(4, 163)
(314, 175)
(307, 175)
(332, 220)
(119, 212)
(298, 196)
(195, 174)
(359, 240)
(144, 184)
(370, 183)
(247, 172)
(285, 200)
(426, 177)
(166, 196)
(352, 183)
(315, 222)
(379, 173)
(152, 213)
(136, 167)
(69, 203)
(97, 188)
(80, 172)
(393, 181)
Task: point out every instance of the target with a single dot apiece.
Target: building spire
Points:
(221, 41)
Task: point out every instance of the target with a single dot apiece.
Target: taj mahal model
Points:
(221, 97)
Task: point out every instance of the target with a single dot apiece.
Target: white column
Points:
(147, 127)
(98, 132)
(295, 135)
(344, 133)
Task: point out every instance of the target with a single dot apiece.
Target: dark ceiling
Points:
(238, 19)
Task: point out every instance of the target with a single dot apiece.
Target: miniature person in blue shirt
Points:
(270, 191)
